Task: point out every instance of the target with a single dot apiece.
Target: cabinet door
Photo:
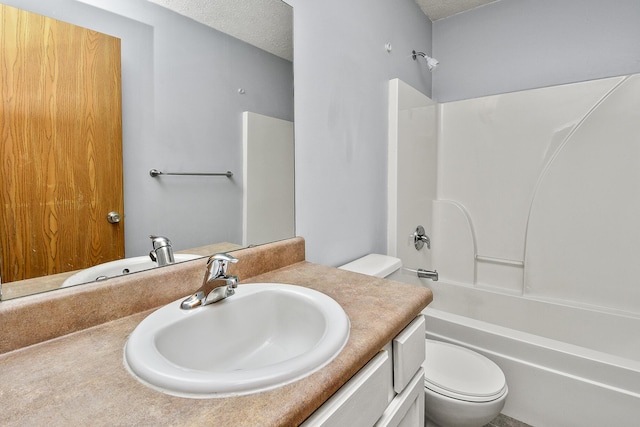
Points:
(407, 409)
(361, 401)
(408, 353)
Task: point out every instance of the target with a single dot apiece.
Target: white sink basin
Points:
(119, 268)
(265, 336)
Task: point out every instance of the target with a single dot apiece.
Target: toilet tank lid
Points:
(374, 265)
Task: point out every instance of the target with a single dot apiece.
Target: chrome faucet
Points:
(424, 274)
(162, 252)
(216, 284)
(428, 274)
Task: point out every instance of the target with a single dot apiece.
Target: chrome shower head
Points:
(432, 63)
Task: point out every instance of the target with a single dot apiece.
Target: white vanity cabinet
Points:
(387, 391)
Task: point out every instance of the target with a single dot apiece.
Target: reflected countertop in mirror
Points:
(48, 283)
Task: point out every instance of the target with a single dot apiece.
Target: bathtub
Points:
(565, 365)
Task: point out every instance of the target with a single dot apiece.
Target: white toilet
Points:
(462, 388)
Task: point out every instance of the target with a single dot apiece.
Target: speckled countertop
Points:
(79, 378)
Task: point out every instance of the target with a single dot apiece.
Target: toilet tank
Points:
(374, 265)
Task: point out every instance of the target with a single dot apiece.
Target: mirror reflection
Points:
(194, 100)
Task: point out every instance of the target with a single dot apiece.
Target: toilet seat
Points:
(462, 374)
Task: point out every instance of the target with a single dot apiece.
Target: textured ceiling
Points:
(438, 9)
(267, 24)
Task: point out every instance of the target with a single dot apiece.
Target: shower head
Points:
(431, 62)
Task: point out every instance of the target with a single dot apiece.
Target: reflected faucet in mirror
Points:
(162, 251)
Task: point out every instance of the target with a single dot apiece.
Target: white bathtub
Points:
(565, 366)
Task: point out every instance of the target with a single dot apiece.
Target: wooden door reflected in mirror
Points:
(61, 151)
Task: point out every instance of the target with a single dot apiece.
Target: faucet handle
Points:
(159, 241)
(218, 263)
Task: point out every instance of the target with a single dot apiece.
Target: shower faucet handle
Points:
(420, 238)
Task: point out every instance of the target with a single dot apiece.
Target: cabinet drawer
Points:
(408, 353)
(361, 401)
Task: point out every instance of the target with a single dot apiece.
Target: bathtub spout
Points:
(428, 274)
(424, 274)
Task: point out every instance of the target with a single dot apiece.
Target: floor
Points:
(504, 421)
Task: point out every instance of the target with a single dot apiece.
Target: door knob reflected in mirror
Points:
(113, 217)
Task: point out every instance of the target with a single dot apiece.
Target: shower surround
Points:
(531, 200)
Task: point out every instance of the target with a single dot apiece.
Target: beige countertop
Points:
(80, 379)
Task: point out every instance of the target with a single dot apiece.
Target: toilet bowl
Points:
(462, 388)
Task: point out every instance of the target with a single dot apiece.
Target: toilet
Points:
(462, 388)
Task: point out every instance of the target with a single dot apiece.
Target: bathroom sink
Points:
(265, 336)
(119, 268)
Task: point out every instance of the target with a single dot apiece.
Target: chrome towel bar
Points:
(155, 172)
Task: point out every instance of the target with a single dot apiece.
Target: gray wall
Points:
(181, 112)
(512, 45)
(341, 72)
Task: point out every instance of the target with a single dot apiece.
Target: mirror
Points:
(185, 91)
